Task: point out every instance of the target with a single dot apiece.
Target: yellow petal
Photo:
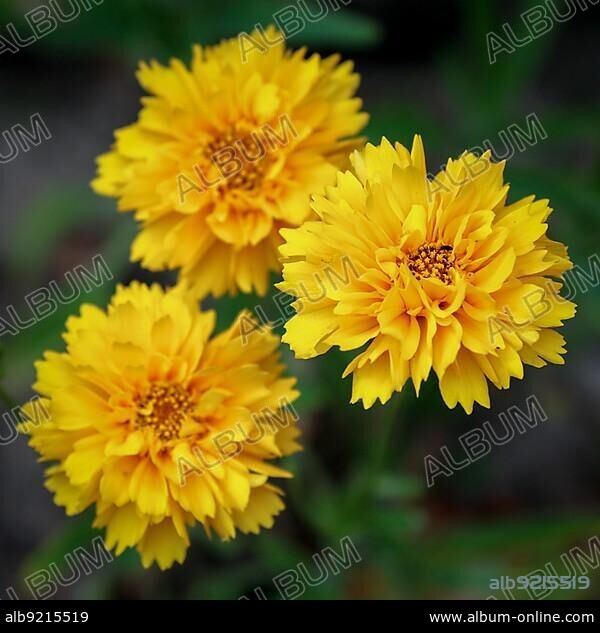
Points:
(148, 488)
(163, 545)
(464, 382)
(125, 528)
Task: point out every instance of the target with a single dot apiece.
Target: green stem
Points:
(366, 482)
(384, 437)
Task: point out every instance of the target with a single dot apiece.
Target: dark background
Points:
(425, 69)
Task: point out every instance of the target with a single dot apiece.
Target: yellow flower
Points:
(161, 427)
(437, 274)
(226, 153)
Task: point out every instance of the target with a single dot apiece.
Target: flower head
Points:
(161, 426)
(447, 276)
(226, 153)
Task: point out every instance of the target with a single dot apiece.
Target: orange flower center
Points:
(241, 156)
(432, 261)
(163, 408)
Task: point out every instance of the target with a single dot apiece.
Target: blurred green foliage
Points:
(138, 29)
(361, 485)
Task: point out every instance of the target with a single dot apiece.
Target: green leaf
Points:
(76, 532)
(59, 212)
(139, 29)
(525, 537)
(27, 346)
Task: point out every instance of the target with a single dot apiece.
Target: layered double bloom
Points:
(160, 427)
(224, 154)
(425, 274)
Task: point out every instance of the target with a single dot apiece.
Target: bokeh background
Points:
(425, 69)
